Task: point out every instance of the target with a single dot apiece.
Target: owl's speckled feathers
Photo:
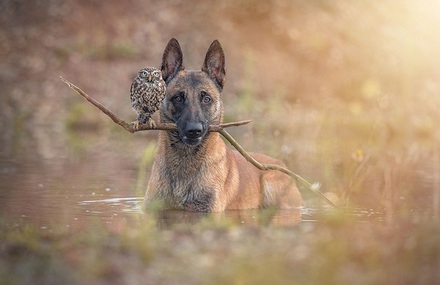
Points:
(146, 94)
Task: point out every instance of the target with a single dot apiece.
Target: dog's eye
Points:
(178, 98)
(206, 99)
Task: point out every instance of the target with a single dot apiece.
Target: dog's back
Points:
(193, 169)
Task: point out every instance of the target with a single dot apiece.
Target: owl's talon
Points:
(135, 125)
(152, 123)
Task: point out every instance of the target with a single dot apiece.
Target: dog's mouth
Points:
(177, 138)
(192, 141)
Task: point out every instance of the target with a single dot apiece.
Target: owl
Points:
(146, 94)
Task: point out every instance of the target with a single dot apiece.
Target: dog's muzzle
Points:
(193, 133)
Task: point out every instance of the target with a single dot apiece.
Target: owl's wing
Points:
(132, 90)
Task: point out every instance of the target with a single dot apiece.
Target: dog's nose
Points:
(194, 130)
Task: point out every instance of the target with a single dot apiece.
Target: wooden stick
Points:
(144, 127)
(213, 128)
(312, 187)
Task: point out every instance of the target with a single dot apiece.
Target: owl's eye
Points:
(156, 73)
(143, 73)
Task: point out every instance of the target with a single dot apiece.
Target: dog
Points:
(193, 169)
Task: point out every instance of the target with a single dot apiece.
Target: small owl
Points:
(146, 93)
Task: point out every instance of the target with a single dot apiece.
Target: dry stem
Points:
(213, 128)
(144, 127)
(312, 187)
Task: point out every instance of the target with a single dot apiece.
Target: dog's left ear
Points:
(214, 64)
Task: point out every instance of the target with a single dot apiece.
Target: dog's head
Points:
(192, 99)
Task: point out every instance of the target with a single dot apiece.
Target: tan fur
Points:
(207, 176)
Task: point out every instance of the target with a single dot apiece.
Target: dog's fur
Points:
(193, 169)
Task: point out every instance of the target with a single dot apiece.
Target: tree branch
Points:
(312, 187)
(213, 128)
(145, 127)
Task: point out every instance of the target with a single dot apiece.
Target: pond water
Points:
(50, 209)
(65, 185)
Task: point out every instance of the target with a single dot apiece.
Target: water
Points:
(34, 196)
(56, 183)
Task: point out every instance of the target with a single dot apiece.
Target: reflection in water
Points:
(95, 189)
(62, 193)
(256, 217)
(45, 188)
(98, 186)
(166, 219)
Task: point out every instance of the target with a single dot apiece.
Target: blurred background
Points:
(347, 93)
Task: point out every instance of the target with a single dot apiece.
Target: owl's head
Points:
(150, 74)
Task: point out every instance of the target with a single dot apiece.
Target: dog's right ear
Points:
(171, 60)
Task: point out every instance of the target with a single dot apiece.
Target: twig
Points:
(312, 187)
(213, 128)
(145, 127)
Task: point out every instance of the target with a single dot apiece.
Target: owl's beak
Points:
(149, 78)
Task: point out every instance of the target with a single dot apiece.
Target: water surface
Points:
(99, 187)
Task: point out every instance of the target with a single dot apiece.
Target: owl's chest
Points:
(147, 94)
(147, 90)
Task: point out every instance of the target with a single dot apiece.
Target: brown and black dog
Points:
(193, 169)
